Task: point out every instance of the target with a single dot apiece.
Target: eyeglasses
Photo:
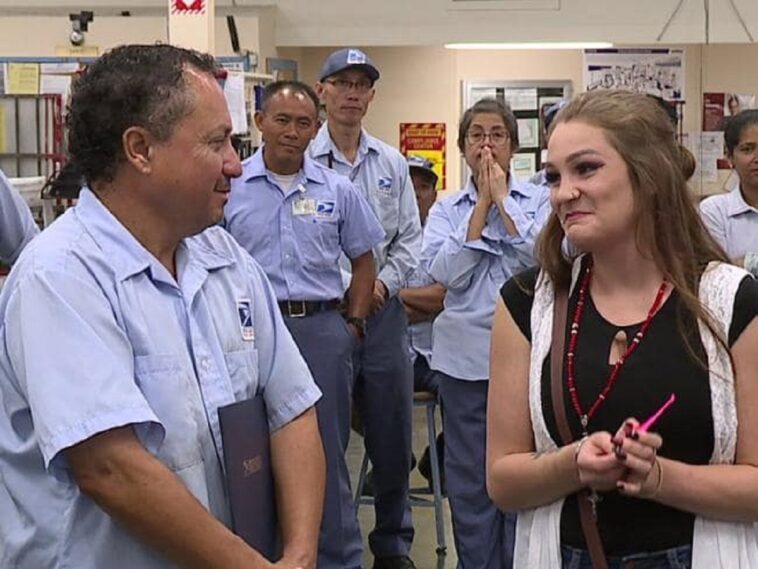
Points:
(497, 137)
(343, 85)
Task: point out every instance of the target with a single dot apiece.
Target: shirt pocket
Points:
(242, 366)
(173, 396)
(319, 242)
(387, 208)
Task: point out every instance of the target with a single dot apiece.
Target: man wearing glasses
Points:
(474, 241)
(384, 375)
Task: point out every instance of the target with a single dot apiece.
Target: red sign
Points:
(427, 140)
(713, 111)
(188, 6)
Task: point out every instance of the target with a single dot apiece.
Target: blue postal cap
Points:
(422, 164)
(348, 58)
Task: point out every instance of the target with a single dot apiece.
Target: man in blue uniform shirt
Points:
(17, 226)
(423, 300)
(122, 332)
(295, 217)
(384, 389)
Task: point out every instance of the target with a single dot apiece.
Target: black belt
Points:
(300, 308)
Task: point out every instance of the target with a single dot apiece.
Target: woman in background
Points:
(732, 218)
(474, 240)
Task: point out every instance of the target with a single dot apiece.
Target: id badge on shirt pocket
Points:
(304, 206)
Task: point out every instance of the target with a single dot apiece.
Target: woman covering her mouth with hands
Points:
(652, 308)
(473, 242)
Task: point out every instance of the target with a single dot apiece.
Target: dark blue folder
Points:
(249, 477)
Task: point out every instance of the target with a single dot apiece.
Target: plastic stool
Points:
(429, 401)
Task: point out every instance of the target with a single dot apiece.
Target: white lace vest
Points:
(716, 544)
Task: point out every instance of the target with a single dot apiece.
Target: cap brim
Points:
(424, 172)
(371, 72)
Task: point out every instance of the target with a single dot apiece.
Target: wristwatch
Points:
(359, 323)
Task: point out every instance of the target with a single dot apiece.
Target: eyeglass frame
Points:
(486, 135)
(348, 85)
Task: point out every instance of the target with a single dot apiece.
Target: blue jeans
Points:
(674, 558)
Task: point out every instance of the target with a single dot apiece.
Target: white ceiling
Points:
(434, 22)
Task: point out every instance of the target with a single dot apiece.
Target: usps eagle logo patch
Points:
(245, 313)
(355, 57)
(384, 185)
(325, 208)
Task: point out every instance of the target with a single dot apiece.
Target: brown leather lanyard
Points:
(589, 523)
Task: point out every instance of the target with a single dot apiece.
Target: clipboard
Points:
(249, 476)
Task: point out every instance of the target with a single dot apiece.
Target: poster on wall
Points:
(655, 71)
(521, 99)
(523, 166)
(21, 78)
(707, 148)
(427, 140)
(718, 107)
(528, 133)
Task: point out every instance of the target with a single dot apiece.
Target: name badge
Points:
(245, 313)
(304, 206)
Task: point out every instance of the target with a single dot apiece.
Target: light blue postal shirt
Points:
(95, 334)
(732, 222)
(473, 271)
(380, 173)
(297, 234)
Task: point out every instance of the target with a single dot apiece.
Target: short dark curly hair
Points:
(131, 85)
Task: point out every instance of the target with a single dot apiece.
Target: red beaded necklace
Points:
(584, 418)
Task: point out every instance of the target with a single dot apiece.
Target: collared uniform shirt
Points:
(731, 222)
(297, 235)
(473, 271)
(420, 333)
(381, 175)
(17, 226)
(96, 334)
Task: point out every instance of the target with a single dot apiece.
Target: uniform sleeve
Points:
(403, 253)
(449, 258)
(74, 365)
(714, 219)
(17, 226)
(360, 229)
(287, 385)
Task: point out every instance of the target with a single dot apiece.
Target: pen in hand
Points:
(650, 421)
(630, 431)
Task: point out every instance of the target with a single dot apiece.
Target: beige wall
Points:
(38, 36)
(423, 84)
(419, 84)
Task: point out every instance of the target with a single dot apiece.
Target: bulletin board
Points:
(528, 100)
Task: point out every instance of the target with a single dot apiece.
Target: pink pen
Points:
(654, 417)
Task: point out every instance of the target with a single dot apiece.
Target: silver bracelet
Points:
(578, 447)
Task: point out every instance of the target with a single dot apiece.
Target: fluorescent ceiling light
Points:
(531, 45)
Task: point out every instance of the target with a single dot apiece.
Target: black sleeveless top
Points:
(661, 365)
